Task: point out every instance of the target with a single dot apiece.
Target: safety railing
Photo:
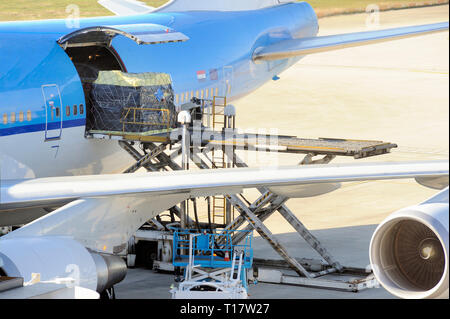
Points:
(204, 249)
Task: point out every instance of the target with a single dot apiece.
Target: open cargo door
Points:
(150, 107)
(103, 35)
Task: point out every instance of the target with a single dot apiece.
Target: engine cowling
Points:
(59, 257)
(409, 250)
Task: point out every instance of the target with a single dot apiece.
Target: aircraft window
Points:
(206, 93)
(217, 91)
(212, 92)
(57, 112)
(13, 117)
(192, 94)
(75, 109)
(5, 118)
(202, 94)
(177, 99)
(187, 97)
(196, 94)
(21, 116)
(28, 115)
(67, 110)
(81, 109)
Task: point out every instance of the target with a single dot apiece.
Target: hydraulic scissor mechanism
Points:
(214, 147)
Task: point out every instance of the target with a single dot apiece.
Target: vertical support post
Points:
(229, 113)
(184, 118)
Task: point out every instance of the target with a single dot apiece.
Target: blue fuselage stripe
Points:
(41, 127)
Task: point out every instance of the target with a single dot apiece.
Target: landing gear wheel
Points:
(108, 294)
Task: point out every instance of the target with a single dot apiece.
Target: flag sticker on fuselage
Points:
(201, 75)
(213, 75)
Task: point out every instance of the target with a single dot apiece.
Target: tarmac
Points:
(394, 92)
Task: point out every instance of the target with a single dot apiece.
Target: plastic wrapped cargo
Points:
(132, 102)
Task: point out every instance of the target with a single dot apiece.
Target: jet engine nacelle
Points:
(409, 250)
(55, 257)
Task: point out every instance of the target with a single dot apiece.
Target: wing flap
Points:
(205, 183)
(304, 46)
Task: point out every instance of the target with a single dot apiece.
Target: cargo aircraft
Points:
(210, 47)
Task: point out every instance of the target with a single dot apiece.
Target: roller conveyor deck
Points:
(292, 144)
(275, 143)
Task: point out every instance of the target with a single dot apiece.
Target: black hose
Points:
(218, 253)
(209, 214)
(194, 201)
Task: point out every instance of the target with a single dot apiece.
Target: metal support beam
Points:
(144, 160)
(266, 234)
(308, 236)
(295, 222)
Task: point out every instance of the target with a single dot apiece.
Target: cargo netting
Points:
(132, 103)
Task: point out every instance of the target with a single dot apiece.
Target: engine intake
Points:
(409, 251)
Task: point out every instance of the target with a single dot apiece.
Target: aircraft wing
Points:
(33, 192)
(304, 46)
(125, 7)
(104, 211)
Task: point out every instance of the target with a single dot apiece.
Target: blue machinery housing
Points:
(212, 250)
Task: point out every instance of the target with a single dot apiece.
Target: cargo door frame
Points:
(145, 33)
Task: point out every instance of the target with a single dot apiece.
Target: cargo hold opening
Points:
(89, 61)
(118, 102)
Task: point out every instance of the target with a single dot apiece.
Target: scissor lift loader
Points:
(212, 271)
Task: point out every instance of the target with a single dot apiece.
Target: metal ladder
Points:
(218, 160)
